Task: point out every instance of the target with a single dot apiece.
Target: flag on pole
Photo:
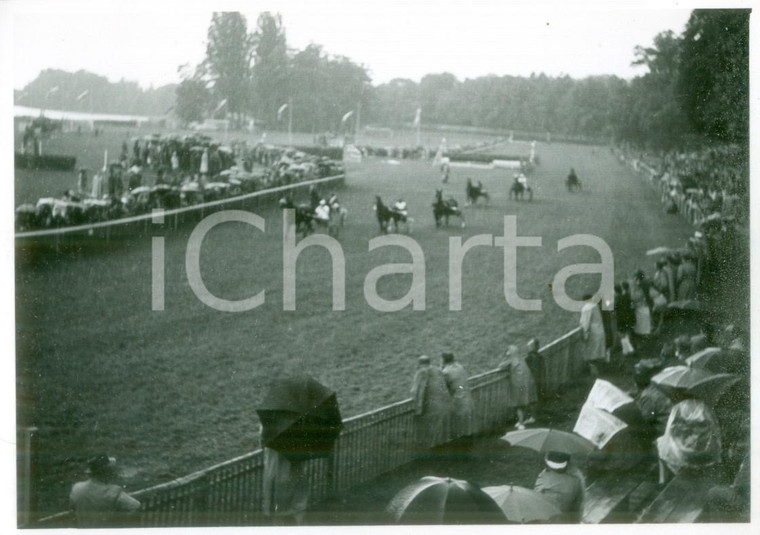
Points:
(280, 110)
(221, 105)
(83, 94)
(346, 117)
(418, 117)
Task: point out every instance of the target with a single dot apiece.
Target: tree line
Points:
(695, 89)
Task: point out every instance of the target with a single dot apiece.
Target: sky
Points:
(147, 42)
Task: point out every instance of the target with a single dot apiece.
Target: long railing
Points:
(369, 445)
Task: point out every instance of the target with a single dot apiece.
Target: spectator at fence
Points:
(687, 278)
(522, 386)
(642, 305)
(537, 366)
(432, 405)
(463, 414)
(593, 332)
(624, 316)
(286, 488)
(99, 502)
(663, 280)
(563, 486)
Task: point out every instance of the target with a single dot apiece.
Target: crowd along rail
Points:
(106, 228)
(370, 444)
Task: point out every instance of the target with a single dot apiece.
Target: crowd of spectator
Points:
(172, 172)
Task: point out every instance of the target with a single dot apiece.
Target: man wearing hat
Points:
(99, 501)
(560, 486)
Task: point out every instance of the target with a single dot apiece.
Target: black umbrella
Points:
(300, 417)
(444, 500)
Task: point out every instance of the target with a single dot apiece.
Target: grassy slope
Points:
(171, 392)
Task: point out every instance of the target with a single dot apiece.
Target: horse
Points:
(445, 209)
(518, 191)
(388, 218)
(472, 193)
(572, 181)
(304, 215)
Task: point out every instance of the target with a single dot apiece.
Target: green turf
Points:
(174, 391)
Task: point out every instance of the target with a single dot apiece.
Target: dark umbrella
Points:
(300, 418)
(443, 500)
(545, 440)
(712, 388)
(721, 361)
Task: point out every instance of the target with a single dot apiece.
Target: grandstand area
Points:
(171, 392)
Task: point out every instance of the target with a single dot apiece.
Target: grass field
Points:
(174, 391)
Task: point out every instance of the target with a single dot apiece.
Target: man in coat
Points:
(463, 414)
(593, 332)
(563, 487)
(432, 405)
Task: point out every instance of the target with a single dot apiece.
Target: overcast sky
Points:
(392, 38)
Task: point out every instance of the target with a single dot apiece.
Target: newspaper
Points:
(597, 425)
(607, 397)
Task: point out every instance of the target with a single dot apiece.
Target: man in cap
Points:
(99, 501)
(560, 486)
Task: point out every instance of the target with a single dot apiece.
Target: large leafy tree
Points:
(714, 79)
(229, 56)
(271, 70)
(192, 100)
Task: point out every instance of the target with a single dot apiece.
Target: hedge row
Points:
(50, 163)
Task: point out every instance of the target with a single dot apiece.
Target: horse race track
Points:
(174, 391)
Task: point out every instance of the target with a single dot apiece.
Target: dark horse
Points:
(474, 192)
(304, 215)
(518, 191)
(388, 218)
(572, 181)
(445, 209)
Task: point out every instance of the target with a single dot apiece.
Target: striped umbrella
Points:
(444, 500)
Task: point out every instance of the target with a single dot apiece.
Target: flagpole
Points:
(358, 120)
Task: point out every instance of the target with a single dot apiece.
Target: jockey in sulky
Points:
(400, 206)
(322, 211)
(521, 179)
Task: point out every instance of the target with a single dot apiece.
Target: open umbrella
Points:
(663, 250)
(545, 440)
(720, 361)
(680, 377)
(702, 358)
(712, 388)
(439, 500)
(522, 505)
(300, 417)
